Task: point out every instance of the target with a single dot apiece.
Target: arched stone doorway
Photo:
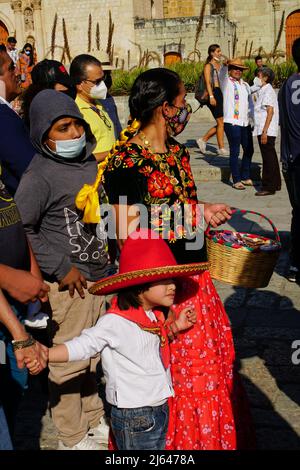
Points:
(292, 31)
(3, 33)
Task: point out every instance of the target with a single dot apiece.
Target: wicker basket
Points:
(241, 267)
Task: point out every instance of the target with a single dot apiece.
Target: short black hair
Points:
(78, 67)
(12, 40)
(296, 52)
(258, 57)
(128, 298)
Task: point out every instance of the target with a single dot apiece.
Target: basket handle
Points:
(243, 211)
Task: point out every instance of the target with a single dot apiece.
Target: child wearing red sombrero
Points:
(133, 340)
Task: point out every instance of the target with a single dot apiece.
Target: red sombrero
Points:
(145, 258)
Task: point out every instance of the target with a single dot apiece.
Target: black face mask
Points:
(70, 92)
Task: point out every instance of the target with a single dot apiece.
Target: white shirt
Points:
(245, 106)
(131, 362)
(14, 55)
(266, 97)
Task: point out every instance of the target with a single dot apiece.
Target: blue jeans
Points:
(140, 428)
(5, 441)
(239, 136)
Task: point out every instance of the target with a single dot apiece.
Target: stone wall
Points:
(154, 34)
(259, 22)
(76, 14)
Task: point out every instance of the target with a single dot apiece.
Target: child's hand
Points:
(35, 366)
(186, 318)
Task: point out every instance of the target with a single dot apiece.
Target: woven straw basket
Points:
(242, 267)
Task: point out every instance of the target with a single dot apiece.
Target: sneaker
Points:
(223, 152)
(293, 274)
(100, 433)
(202, 145)
(85, 444)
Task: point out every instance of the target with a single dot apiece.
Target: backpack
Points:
(201, 93)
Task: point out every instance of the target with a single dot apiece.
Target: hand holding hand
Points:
(34, 357)
(74, 280)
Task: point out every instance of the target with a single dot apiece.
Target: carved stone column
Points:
(16, 5)
(38, 29)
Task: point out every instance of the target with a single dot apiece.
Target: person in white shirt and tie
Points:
(238, 111)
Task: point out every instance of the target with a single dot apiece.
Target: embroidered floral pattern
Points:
(168, 182)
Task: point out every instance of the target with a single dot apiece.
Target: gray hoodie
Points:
(46, 198)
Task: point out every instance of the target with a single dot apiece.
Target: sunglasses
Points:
(237, 69)
(97, 81)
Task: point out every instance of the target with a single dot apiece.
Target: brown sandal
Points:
(238, 185)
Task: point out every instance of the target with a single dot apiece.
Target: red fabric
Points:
(209, 410)
(138, 316)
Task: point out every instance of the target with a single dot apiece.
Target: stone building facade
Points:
(159, 26)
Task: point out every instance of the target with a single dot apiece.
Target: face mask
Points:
(27, 52)
(99, 92)
(177, 123)
(70, 148)
(217, 59)
(257, 82)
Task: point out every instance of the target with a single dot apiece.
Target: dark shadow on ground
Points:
(265, 329)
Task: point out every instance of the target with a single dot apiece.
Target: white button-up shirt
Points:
(131, 362)
(245, 103)
(266, 97)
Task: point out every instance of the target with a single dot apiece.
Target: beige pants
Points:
(74, 401)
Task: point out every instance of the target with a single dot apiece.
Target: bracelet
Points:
(211, 96)
(21, 344)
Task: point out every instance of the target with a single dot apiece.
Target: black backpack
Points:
(201, 93)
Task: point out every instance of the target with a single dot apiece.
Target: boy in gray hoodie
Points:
(71, 254)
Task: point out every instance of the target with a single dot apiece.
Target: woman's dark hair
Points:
(128, 298)
(150, 90)
(78, 67)
(29, 46)
(2, 47)
(212, 48)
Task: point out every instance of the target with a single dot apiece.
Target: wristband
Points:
(211, 96)
(30, 341)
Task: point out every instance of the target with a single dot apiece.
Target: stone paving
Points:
(265, 321)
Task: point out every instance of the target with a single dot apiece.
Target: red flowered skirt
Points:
(210, 410)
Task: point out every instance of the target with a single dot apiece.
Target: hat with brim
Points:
(144, 259)
(239, 63)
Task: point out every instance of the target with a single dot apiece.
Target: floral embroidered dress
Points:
(208, 400)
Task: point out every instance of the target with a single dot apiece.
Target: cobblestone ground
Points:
(265, 321)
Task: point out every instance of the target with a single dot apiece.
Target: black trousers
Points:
(271, 179)
(292, 179)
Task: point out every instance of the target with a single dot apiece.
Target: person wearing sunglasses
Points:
(87, 73)
(238, 111)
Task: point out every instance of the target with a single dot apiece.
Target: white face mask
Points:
(27, 52)
(70, 148)
(99, 92)
(257, 82)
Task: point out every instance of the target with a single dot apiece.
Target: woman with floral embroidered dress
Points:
(154, 170)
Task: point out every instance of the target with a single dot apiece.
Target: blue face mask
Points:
(70, 149)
